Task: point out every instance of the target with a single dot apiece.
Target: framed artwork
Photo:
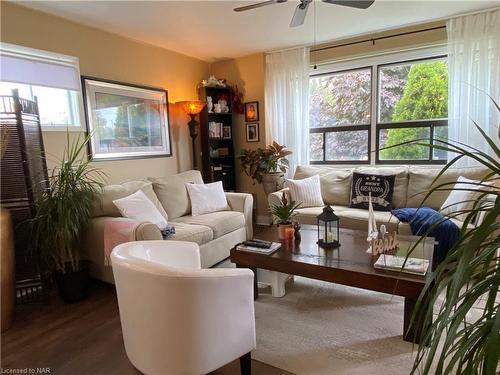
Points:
(126, 121)
(253, 132)
(226, 132)
(251, 111)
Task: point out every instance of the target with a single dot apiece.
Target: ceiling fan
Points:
(301, 10)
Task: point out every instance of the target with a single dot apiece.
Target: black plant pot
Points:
(73, 285)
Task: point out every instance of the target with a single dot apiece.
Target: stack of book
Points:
(259, 246)
(414, 266)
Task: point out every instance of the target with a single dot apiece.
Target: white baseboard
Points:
(263, 220)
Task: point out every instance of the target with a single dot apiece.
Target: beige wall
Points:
(112, 57)
(248, 73)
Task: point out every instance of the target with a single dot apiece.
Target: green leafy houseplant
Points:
(283, 214)
(468, 278)
(64, 209)
(272, 159)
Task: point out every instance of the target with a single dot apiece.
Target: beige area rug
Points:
(321, 328)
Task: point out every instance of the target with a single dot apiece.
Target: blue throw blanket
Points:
(421, 219)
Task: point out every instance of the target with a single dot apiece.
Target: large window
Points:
(53, 79)
(361, 115)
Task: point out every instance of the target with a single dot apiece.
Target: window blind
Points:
(39, 68)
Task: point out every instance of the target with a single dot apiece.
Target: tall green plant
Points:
(272, 159)
(468, 278)
(64, 209)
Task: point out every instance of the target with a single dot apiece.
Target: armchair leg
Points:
(246, 364)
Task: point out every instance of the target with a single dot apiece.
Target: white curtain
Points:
(287, 102)
(474, 70)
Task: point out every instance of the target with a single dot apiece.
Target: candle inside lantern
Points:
(329, 237)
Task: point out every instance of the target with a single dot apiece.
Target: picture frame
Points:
(126, 121)
(251, 111)
(253, 132)
(226, 132)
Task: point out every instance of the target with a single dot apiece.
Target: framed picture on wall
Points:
(126, 121)
(226, 132)
(253, 132)
(251, 111)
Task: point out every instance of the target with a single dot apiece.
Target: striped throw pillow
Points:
(306, 191)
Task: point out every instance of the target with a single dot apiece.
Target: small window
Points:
(53, 79)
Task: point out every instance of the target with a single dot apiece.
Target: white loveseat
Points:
(411, 185)
(215, 233)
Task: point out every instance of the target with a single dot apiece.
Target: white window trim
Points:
(372, 61)
(14, 50)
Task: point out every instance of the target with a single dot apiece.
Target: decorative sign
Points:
(379, 187)
(385, 242)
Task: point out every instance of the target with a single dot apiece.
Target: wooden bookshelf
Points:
(217, 146)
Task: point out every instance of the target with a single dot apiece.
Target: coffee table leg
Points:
(416, 332)
(255, 287)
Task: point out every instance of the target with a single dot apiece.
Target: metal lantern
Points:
(328, 229)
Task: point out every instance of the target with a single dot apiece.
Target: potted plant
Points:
(266, 166)
(63, 212)
(468, 277)
(283, 214)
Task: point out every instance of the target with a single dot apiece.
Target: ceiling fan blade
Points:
(360, 4)
(300, 13)
(258, 5)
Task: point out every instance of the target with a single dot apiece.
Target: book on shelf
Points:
(215, 129)
(262, 250)
(415, 266)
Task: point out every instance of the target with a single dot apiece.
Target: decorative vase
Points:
(8, 279)
(272, 182)
(284, 230)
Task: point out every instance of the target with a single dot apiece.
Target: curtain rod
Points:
(378, 38)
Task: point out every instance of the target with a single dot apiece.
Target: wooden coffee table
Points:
(349, 265)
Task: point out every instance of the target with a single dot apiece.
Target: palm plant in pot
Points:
(63, 213)
(266, 166)
(464, 336)
(283, 214)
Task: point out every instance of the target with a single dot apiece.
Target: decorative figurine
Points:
(210, 104)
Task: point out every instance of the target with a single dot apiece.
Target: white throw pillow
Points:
(139, 207)
(459, 200)
(206, 198)
(306, 191)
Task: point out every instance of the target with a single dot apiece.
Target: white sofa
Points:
(178, 318)
(411, 185)
(215, 233)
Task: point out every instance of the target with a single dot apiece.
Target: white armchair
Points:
(178, 318)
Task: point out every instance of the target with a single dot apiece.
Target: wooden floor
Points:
(83, 338)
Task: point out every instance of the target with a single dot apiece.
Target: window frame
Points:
(431, 124)
(375, 61)
(57, 59)
(343, 128)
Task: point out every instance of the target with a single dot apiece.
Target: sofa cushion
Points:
(306, 191)
(335, 183)
(380, 188)
(104, 205)
(357, 219)
(172, 192)
(400, 183)
(309, 215)
(193, 233)
(421, 178)
(220, 223)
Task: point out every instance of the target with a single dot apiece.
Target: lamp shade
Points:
(192, 107)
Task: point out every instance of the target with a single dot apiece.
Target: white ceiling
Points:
(211, 30)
